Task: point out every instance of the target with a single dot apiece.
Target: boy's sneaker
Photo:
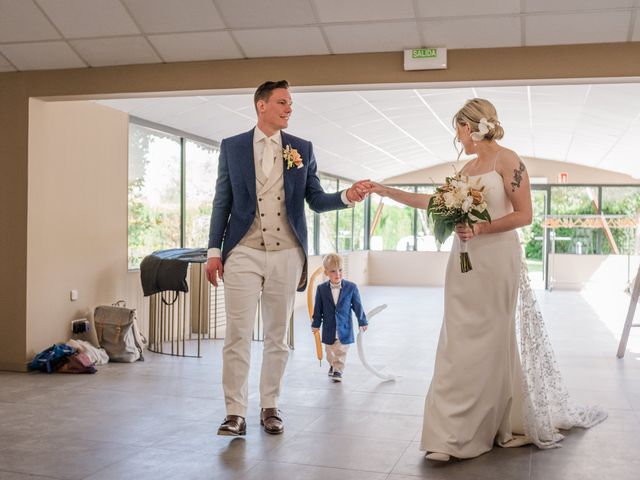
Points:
(330, 371)
(337, 376)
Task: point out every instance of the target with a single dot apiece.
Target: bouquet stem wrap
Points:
(465, 262)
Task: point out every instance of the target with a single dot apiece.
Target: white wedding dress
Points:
(495, 379)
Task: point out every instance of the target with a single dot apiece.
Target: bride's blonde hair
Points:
(475, 109)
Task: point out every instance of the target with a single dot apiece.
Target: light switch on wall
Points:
(73, 295)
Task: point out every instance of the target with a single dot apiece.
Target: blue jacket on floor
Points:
(334, 316)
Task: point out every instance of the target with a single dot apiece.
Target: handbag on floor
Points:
(51, 359)
(118, 332)
(78, 363)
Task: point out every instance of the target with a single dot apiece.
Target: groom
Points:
(258, 240)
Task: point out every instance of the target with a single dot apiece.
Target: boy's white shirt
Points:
(335, 293)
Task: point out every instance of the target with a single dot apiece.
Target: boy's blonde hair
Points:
(332, 261)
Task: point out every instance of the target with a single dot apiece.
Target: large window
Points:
(624, 202)
(345, 223)
(575, 200)
(328, 220)
(172, 182)
(359, 233)
(311, 229)
(426, 241)
(200, 182)
(392, 224)
(154, 192)
(171, 185)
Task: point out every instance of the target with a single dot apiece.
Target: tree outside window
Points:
(200, 181)
(154, 192)
(392, 224)
(328, 220)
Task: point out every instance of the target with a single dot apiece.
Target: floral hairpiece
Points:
(484, 126)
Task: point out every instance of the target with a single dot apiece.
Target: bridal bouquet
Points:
(457, 201)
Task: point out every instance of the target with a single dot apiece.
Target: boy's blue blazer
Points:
(332, 316)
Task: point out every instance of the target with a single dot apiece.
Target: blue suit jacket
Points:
(334, 316)
(234, 203)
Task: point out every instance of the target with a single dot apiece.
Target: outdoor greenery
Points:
(156, 198)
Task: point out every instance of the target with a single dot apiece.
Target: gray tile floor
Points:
(158, 419)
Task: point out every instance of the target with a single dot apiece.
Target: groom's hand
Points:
(358, 191)
(214, 270)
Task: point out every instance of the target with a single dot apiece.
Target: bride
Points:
(495, 379)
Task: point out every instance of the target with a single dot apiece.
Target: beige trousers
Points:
(247, 273)
(337, 354)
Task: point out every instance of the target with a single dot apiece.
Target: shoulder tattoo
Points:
(517, 176)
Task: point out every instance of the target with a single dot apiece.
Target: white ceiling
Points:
(382, 133)
(48, 34)
(358, 133)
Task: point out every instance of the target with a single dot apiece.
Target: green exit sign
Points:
(424, 53)
(431, 58)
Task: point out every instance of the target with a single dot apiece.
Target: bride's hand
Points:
(378, 188)
(465, 232)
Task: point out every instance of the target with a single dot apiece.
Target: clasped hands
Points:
(363, 188)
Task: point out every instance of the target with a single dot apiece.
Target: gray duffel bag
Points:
(118, 333)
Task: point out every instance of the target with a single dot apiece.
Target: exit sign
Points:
(425, 59)
(424, 53)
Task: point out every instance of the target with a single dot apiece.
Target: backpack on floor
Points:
(118, 333)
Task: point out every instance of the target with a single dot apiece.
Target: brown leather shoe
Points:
(271, 421)
(233, 426)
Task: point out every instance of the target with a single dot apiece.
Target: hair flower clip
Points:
(484, 126)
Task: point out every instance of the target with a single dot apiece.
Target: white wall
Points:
(407, 268)
(77, 215)
(573, 272)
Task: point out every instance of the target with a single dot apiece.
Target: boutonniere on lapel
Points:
(292, 157)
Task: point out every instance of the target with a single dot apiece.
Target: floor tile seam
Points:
(399, 394)
(335, 468)
(360, 411)
(326, 467)
(119, 444)
(538, 452)
(150, 394)
(35, 475)
(290, 436)
(347, 436)
(362, 436)
(105, 467)
(399, 458)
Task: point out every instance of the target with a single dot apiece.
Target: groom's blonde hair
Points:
(332, 261)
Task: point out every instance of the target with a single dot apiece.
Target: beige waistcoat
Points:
(270, 229)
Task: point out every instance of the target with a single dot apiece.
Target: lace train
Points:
(547, 406)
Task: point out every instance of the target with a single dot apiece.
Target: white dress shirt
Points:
(335, 291)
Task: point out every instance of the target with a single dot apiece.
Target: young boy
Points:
(335, 300)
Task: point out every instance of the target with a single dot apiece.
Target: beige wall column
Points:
(13, 223)
(77, 220)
